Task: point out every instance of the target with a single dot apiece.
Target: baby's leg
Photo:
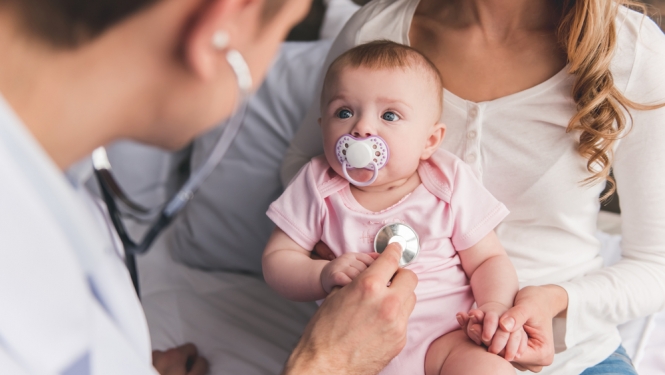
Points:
(455, 354)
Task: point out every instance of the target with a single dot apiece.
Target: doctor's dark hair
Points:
(69, 23)
(384, 54)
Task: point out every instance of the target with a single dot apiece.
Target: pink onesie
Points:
(450, 210)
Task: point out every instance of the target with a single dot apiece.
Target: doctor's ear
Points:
(217, 26)
(434, 141)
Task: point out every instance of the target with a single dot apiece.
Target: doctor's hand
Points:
(182, 360)
(359, 328)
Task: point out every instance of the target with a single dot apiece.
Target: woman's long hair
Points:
(588, 33)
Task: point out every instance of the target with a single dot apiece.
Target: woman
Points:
(536, 94)
(78, 74)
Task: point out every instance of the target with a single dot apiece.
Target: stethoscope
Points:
(119, 205)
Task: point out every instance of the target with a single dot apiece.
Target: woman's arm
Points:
(635, 286)
(289, 270)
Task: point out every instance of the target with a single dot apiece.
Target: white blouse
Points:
(518, 146)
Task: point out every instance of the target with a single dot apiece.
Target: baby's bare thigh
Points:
(455, 354)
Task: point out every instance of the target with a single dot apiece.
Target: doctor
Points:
(77, 74)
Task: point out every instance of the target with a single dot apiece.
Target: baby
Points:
(380, 106)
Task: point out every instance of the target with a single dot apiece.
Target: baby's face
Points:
(399, 105)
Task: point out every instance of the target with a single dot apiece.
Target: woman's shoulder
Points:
(381, 19)
(639, 55)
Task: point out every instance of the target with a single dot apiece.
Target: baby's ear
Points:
(434, 140)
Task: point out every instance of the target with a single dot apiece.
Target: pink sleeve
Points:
(299, 210)
(474, 210)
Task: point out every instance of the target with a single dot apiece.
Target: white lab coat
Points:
(67, 305)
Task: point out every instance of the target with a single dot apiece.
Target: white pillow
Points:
(225, 227)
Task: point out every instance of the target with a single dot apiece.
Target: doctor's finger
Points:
(385, 266)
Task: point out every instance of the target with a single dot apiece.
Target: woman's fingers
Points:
(514, 318)
(534, 309)
(499, 342)
(524, 342)
(513, 344)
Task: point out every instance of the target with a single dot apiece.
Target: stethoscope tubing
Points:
(108, 186)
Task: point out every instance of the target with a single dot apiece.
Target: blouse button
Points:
(472, 134)
(473, 112)
(471, 158)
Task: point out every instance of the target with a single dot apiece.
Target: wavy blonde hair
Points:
(588, 34)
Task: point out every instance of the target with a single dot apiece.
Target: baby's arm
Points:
(288, 268)
(494, 285)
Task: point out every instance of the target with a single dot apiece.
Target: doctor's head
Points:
(150, 70)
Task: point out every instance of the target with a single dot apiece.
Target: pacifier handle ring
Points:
(358, 183)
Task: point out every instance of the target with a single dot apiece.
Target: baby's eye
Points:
(344, 113)
(390, 116)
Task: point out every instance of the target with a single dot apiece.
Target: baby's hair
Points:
(384, 54)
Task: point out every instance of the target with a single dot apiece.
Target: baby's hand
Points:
(342, 270)
(482, 326)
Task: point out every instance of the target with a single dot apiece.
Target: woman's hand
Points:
(534, 309)
(183, 360)
(483, 328)
(359, 328)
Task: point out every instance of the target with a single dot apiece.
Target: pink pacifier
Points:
(369, 153)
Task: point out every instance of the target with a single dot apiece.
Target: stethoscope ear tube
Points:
(108, 185)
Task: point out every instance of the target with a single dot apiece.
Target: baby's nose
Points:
(359, 134)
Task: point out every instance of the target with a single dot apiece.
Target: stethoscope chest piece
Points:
(402, 234)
